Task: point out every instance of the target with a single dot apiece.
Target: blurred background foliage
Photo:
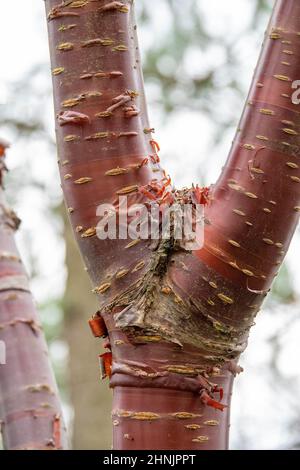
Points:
(198, 58)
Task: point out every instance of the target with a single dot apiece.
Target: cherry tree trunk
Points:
(177, 319)
(30, 410)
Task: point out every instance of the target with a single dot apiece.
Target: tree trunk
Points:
(91, 402)
(30, 411)
(177, 319)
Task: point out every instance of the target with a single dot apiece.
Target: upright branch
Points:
(177, 319)
(255, 207)
(30, 411)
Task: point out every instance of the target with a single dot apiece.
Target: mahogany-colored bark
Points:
(30, 411)
(177, 320)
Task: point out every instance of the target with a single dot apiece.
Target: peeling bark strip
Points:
(29, 400)
(190, 311)
(25, 321)
(72, 117)
(115, 6)
(14, 283)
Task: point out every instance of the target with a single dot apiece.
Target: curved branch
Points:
(30, 411)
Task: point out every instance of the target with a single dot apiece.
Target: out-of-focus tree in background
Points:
(198, 60)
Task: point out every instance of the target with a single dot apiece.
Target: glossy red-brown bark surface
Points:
(30, 411)
(177, 320)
